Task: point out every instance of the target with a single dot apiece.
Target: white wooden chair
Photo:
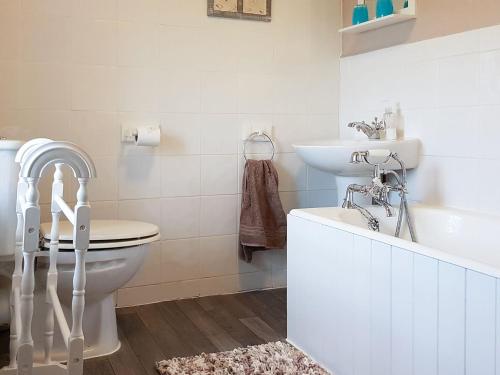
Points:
(34, 158)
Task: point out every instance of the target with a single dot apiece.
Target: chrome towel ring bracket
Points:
(251, 138)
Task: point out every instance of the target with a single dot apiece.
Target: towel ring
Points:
(251, 137)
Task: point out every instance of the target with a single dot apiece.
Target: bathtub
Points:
(367, 303)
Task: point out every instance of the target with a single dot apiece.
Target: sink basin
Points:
(334, 155)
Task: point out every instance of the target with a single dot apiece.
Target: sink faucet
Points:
(373, 131)
(379, 191)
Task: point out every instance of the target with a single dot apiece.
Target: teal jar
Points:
(359, 14)
(384, 8)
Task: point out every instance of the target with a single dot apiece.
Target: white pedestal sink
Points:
(334, 156)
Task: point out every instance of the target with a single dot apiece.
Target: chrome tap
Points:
(379, 191)
(373, 131)
(373, 223)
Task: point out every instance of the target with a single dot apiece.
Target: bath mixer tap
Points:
(379, 191)
(373, 131)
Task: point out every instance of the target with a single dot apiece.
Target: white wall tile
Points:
(180, 134)
(319, 180)
(291, 95)
(179, 47)
(187, 13)
(10, 33)
(94, 42)
(146, 210)
(219, 285)
(218, 256)
(218, 215)
(137, 89)
(180, 176)
(44, 86)
(322, 198)
(9, 85)
(292, 172)
(45, 38)
(139, 177)
(94, 88)
(219, 92)
(489, 38)
(181, 260)
(180, 218)
(219, 134)
(137, 44)
(95, 9)
(431, 182)
(458, 80)
(105, 186)
(180, 91)
(104, 210)
(219, 174)
(98, 132)
(255, 93)
(145, 11)
(295, 199)
(490, 78)
(47, 7)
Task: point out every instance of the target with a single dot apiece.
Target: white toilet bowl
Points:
(117, 251)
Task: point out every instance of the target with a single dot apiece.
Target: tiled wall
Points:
(449, 89)
(78, 69)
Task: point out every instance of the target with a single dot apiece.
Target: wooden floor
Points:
(182, 328)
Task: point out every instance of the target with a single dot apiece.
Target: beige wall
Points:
(435, 18)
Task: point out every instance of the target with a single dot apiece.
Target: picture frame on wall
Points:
(256, 10)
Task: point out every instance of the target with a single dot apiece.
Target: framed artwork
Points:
(257, 10)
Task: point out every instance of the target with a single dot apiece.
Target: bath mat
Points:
(276, 358)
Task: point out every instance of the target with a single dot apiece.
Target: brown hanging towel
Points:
(262, 219)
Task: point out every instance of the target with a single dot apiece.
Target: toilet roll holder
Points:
(130, 134)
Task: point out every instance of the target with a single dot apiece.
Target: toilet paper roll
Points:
(148, 136)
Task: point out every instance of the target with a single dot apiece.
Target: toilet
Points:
(117, 251)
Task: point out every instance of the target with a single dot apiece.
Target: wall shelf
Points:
(403, 15)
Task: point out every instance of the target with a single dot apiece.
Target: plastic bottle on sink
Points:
(391, 133)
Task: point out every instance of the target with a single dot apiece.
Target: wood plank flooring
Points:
(166, 330)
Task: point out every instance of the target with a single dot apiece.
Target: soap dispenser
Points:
(399, 120)
(390, 125)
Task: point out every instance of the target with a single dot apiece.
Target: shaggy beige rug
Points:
(277, 358)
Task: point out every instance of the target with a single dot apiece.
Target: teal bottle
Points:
(384, 8)
(359, 14)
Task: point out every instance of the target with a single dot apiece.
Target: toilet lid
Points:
(105, 234)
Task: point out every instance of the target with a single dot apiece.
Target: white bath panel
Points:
(451, 335)
(425, 303)
(498, 329)
(402, 311)
(361, 305)
(380, 309)
(480, 317)
(344, 291)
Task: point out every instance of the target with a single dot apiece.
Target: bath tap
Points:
(379, 191)
(373, 131)
(373, 222)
